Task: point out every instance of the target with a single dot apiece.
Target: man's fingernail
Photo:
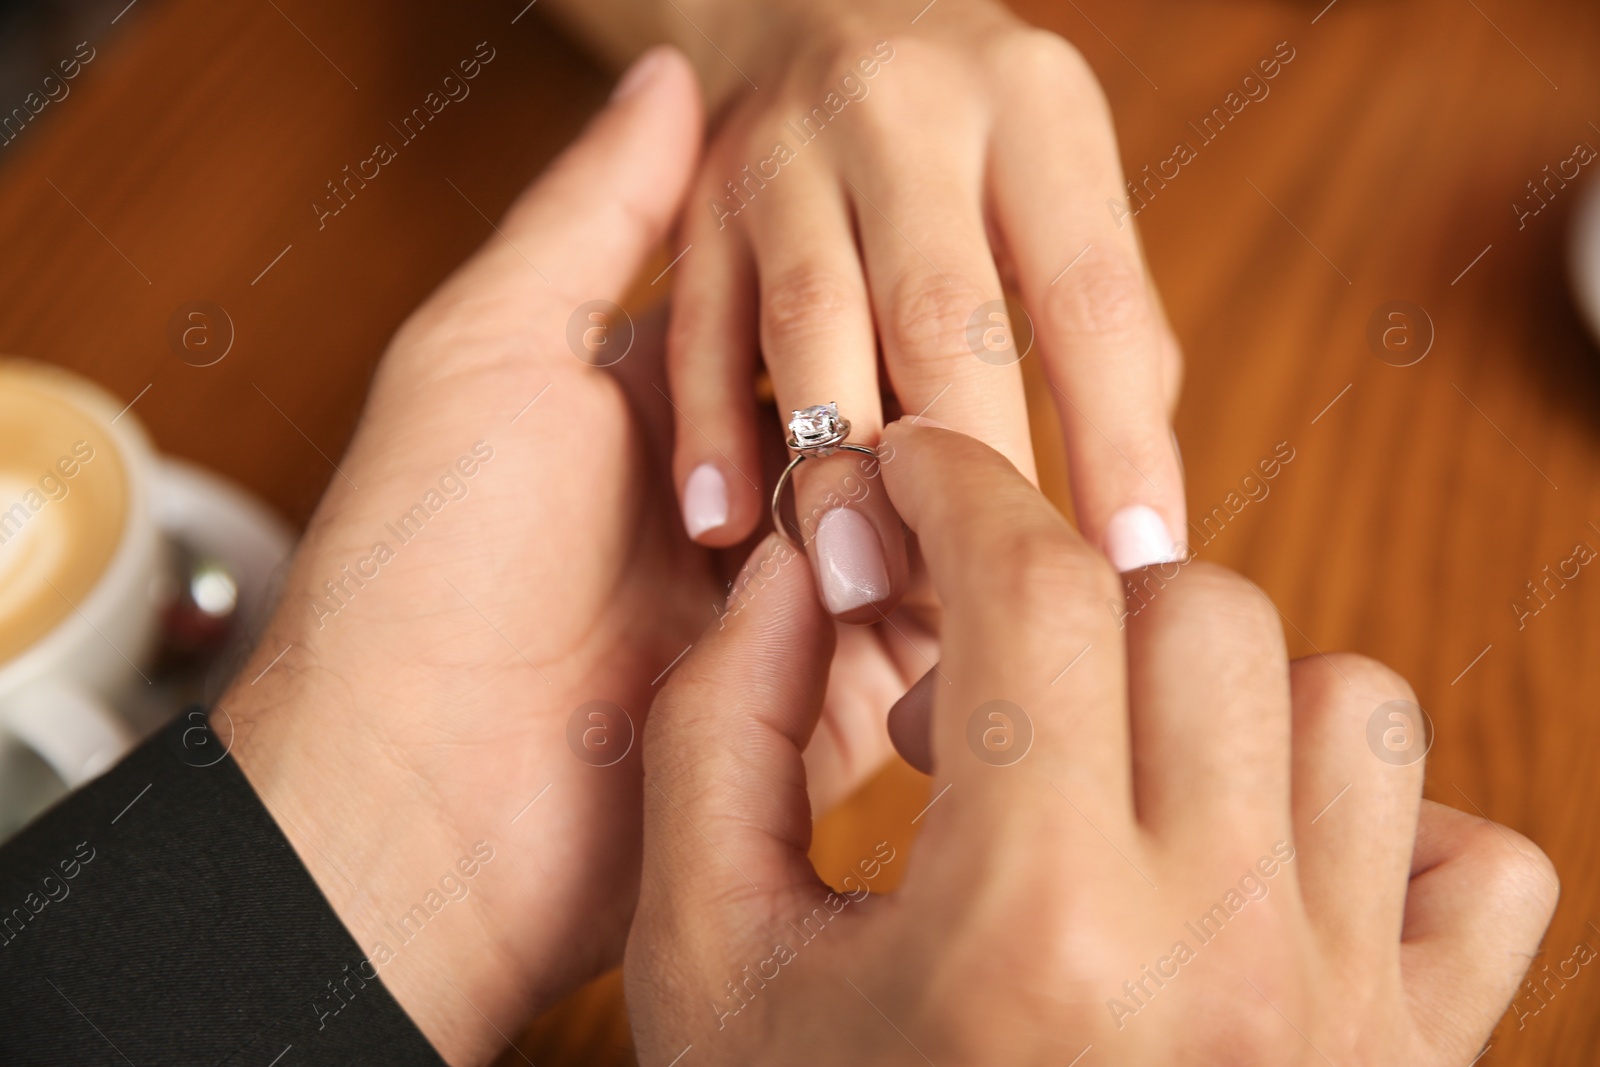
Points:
(1137, 536)
(850, 561)
(705, 500)
(643, 71)
(923, 420)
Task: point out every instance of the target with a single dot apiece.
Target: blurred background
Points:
(1367, 268)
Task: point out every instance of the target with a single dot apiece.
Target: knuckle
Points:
(1042, 571)
(1226, 602)
(804, 304)
(1343, 699)
(1377, 680)
(1046, 59)
(1045, 72)
(1103, 298)
(1367, 682)
(929, 314)
(1514, 869)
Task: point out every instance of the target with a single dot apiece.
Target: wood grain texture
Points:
(1384, 161)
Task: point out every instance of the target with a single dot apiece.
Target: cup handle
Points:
(72, 730)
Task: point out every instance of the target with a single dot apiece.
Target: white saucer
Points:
(214, 518)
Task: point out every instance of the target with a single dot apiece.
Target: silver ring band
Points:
(783, 479)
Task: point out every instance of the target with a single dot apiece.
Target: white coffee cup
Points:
(60, 692)
(1583, 256)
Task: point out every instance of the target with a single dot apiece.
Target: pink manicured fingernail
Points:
(850, 561)
(705, 500)
(643, 71)
(1137, 537)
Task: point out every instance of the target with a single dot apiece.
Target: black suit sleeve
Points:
(158, 916)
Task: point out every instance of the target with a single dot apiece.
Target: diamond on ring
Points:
(817, 429)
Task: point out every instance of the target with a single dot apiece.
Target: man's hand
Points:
(1134, 844)
(497, 551)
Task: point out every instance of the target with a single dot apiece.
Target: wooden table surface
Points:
(1383, 166)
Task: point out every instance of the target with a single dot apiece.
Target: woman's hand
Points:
(880, 174)
(1184, 849)
(963, 149)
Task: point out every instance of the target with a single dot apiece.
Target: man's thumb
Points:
(725, 789)
(590, 219)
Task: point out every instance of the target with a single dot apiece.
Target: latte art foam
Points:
(63, 505)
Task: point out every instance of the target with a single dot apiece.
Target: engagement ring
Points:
(818, 430)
